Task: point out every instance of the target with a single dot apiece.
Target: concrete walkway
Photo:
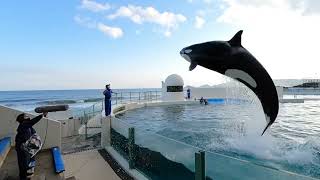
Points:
(44, 169)
(88, 165)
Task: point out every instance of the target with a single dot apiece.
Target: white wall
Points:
(280, 92)
(221, 92)
(70, 127)
(208, 92)
(48, 130)
(171, 96)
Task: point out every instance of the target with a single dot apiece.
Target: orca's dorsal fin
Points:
(236, 40)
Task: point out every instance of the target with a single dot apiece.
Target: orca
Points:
(231, 59)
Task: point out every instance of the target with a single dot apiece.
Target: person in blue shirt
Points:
(188, 93)
(24, 132)
(107, 100)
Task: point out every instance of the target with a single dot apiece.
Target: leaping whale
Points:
(230, 58)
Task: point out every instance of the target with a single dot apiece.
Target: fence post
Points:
(85, 125)
(156, 95)
(116, 98)
(139, 96)
(200, 171)
(131, 143)
(130, 95)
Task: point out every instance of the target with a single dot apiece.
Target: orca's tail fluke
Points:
(269, 124)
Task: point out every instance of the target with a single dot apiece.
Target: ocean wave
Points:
(69, 101)
(17, 100)
(93, 100)
(58, 102)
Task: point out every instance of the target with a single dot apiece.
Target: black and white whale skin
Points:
(231, 59)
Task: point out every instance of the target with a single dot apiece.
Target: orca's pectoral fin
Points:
(192, 65)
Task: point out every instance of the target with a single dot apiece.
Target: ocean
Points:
(76, 99)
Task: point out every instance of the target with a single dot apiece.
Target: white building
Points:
(172, 88)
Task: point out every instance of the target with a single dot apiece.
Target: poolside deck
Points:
(88, 165)
(44, 169)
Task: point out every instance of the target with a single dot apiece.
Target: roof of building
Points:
(174, 80)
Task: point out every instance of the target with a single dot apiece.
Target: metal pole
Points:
(156, 95)
(200, 170)
(116, 98)
(131, 142)
(85, 125)
(130, 96)
(139, 96)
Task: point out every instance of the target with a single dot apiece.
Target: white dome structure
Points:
(172, 88)
(174, 80)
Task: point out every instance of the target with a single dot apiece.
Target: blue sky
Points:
(83, 44)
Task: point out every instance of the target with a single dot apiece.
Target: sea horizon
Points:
(27, 100)
(75, 89)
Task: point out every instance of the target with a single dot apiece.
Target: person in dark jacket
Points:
(107, 100)
(24, 132)
(188, 93)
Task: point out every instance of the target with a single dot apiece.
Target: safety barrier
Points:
(159, 157)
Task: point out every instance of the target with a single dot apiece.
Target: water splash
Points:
(268, 149)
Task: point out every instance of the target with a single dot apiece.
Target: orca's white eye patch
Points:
(188, 51)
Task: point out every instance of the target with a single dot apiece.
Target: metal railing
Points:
(135, 96)
(86, 114)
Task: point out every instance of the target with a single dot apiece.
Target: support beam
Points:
(200, 170)
(131, 142)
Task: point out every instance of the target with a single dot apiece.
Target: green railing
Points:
(159, 157)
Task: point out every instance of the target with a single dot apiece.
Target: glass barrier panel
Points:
(121, 127)
(224, 167)
(161, 158)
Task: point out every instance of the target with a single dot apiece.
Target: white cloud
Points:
(113, 32)
(84, 21)
(207, 1)
(282, 34)
(139, 15)
(94, 6)
(311, 6)
(199, 22)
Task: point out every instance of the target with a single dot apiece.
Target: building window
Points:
(174, 89)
